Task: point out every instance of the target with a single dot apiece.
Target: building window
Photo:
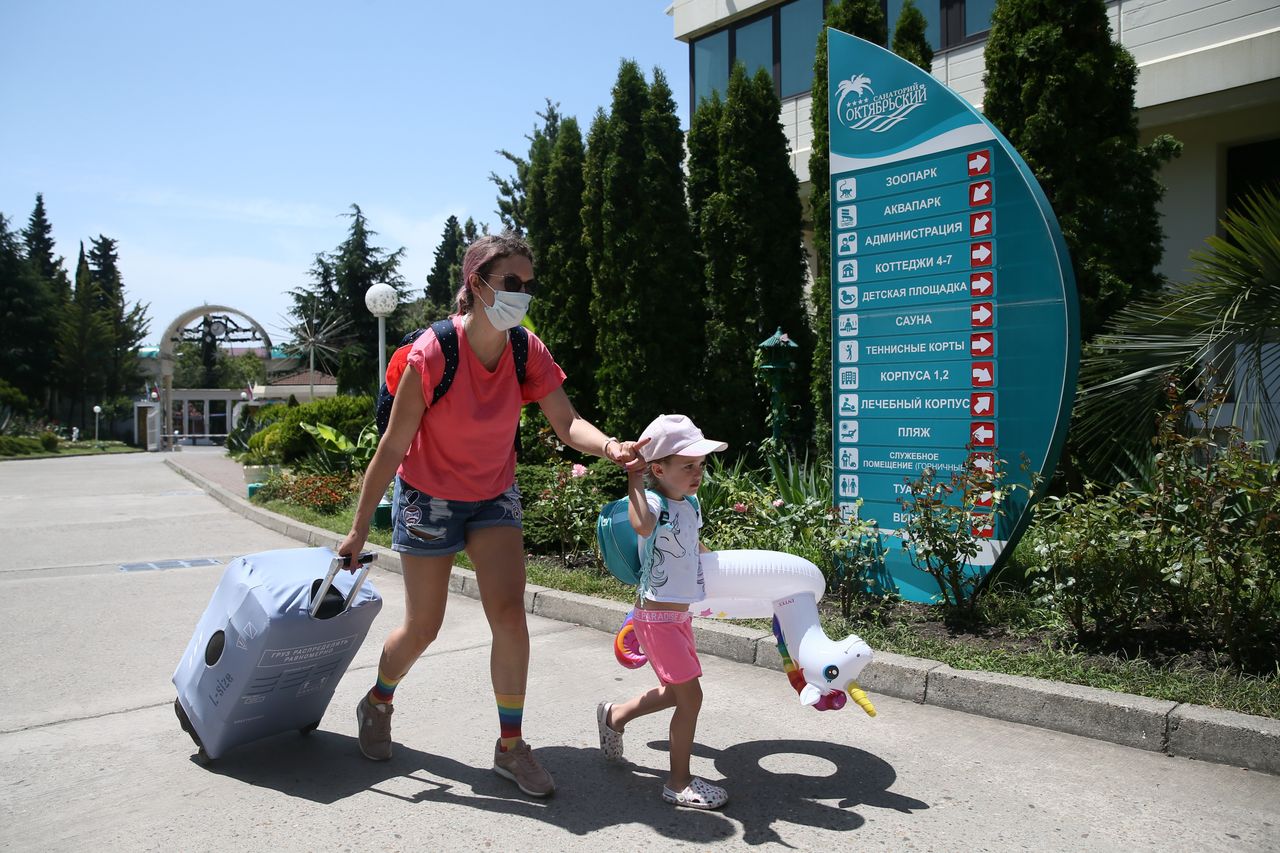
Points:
(710, 65)
(780, 40)
(801, 24)
(948, 23)
(1251, 168)
(932, 11)
(753, 45)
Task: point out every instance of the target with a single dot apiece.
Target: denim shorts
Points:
(424, 526)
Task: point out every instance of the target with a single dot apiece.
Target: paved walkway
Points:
(91, 755)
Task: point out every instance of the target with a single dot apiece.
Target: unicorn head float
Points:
(750, 584)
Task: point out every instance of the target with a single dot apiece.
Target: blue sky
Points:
(221, 143)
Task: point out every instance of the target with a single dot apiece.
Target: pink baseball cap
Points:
(676, 434)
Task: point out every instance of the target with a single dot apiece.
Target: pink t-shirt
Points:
(464, 449)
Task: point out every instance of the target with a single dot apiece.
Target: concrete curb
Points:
(1185, 730)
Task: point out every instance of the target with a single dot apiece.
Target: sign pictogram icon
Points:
(980, 224)
(983, 343)
(982, 283)
(980, 193)
(980, 254)
(983, 433)
(982, 403)
(979, 163)
(982, 313)
(984, 374)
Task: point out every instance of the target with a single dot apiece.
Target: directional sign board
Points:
(954, 319)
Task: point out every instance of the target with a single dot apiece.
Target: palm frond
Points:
(1219, 331)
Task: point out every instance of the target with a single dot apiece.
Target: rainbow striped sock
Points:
(384, 690)
(510, 714)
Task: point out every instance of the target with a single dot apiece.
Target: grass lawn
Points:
(1014, 638)
(78, 448)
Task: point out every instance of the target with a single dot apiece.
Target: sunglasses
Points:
(512, 283)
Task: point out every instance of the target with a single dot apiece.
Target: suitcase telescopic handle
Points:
(365, 560)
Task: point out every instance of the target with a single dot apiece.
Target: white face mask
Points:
(508, 309)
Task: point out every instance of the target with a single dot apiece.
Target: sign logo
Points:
(876, 113)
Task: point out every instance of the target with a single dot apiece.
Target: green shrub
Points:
(940, 539)
(347, 415)
(563, 515)
(18, 445)
(49, 441)
(1193, 558)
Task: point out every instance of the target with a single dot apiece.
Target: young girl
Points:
(675, 452)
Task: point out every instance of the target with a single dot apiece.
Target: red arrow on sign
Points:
(983, 463)
(983, 526)
(981, 254)
(982, 283)
(979, 193)
(979, 163)
(982, 313)
(982, 403)
(984, 497)
(984, 374)
(983, 343)
(983, 433)
(980, 224)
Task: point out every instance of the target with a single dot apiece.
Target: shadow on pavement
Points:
(327, 767)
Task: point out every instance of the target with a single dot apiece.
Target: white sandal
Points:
(700, 794)
(610, 739)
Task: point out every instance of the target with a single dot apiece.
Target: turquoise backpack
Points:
(619, 544)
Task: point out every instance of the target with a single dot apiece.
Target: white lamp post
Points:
(381, 300)
(97, 410)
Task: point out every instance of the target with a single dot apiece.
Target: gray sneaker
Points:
(521, 767)
(373, 724)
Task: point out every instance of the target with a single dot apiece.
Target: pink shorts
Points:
(666, 637)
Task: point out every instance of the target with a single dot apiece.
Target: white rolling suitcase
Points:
(279, 632)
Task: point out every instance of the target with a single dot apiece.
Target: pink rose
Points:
(579, 470)
(777, 504)
(739, 507)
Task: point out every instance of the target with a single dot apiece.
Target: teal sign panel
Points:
(954, 318)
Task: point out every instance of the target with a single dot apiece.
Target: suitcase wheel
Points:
(202, 757)
(309, 728)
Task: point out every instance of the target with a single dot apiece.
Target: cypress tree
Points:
(561, 312)
(647, 294)
(126, 326)
(865, 19)
(704, 153)
(746, 201)
(339, 282)
(38, 237)
(1062, 91)
(909, 40)
(513, 192)
(39, 242)
(83, 336)
(780, 255)
(25, 302)
(443, 280)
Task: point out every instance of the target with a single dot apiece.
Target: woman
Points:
(454, 464)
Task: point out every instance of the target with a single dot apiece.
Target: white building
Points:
(1209, 74)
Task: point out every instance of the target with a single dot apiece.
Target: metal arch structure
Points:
(173, 335)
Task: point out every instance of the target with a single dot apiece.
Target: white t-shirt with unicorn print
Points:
(676, 574)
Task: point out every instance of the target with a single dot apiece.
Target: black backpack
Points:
(447, 335)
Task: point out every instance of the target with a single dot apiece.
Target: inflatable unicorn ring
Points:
(759, 584)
